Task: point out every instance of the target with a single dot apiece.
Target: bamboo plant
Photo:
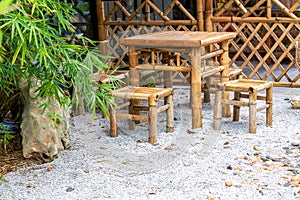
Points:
(36, 47)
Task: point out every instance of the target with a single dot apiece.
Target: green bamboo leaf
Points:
(16, 54)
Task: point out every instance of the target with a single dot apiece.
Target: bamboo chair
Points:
(244, 88)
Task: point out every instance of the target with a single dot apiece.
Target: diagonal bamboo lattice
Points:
(267, 34)
(266, 46)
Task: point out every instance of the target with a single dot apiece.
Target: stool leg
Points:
(131, 123)
(113, 121)
(206, 90)
(252, 110)
(269, 110)
(152, 122)
(170, 114)
(218, 109)
(236, 109)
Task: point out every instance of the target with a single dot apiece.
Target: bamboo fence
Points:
(268, 31)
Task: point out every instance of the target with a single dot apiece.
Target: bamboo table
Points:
(193, 42)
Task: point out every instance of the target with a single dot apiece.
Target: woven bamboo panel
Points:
(266, 46)
(267, 35)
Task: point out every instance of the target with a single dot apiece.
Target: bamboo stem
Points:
(200, 18)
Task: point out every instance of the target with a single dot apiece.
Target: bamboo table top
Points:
(177, 39)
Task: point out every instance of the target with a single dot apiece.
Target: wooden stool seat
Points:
(134, 95)
(243, 88)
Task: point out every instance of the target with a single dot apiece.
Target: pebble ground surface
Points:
(187, 164)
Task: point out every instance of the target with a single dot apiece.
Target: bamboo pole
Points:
(218, 108)
(156, 9)
(163, 68)
(152, 23)
(170, 113)
(252, 111)
(295, 6)
(256, 7)
(255, 19)
(208, 15)
(170, 7)
(147, 11)
(113, 120)
(122, 8)
(241, 6)
(269, 101)
(269, 9)
(224, 61)
(200, 18)
(284, 9)
(196, 102)
(182, 8)
(100, 18)
(152, 120)
(236, 108)
(135, 12)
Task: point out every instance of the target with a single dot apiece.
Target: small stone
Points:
(255, 181)
(49, 169)
(238, 169)
(256, 148)
(209, 197)
(229, 183)
(269, 162)
(295, 144)
(70, 189)
(31, 186)
(286, 185)
(296, 177)
(294, 183)
(86, 171)
(266, 168)
(229, 167)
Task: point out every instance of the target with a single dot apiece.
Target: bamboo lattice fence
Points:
(268, 31)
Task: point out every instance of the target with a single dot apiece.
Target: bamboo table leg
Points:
(170, 113)
(134, 80)
(196, 88)
(224, 61)
(218, 108)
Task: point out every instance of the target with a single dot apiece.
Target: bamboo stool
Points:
(240, 87)
(134, 95)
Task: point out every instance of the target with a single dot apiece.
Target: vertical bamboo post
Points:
(236, 108)
(269, 9)
(208, 15)
(102, 36)
(269, 101)
(113, 120)
(167, 74)
(170, 113)
(200, 18)
(224, 61)
(218, 108)
(252, 110)
(152, 119)
(147, 11)
(196, 102)
(134, 80)
(133, 72)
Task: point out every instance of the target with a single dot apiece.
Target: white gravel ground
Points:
(186, 164)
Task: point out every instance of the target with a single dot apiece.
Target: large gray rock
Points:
(40, 139)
